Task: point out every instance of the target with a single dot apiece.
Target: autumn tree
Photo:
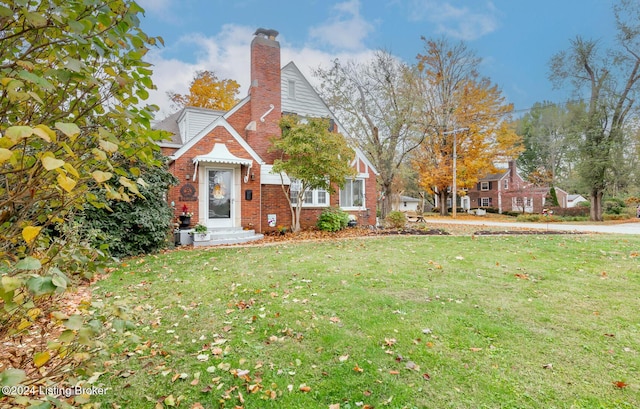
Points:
(73, 86)
(207, 91)
(459, 106)
(378, 105)
(549, 146)
(608, 80)
(312, 157)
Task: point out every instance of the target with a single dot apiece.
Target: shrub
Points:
(396, 220)
(332, 219)
(614, 206)
(511, 213)
(136, 227)
(570, 211)
(632, 201)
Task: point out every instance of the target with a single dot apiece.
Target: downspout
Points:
(260, 213)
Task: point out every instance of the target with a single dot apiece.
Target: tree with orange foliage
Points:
(456, 98)
(207, 91)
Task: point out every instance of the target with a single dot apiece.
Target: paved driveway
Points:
(621, 228)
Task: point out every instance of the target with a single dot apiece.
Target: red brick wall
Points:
(183, 169)
(265, 91)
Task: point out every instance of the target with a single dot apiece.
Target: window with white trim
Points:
(315, 197)
(485, 201)
(484, 186)
(352, 194)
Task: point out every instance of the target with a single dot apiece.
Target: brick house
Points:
(223, 164)
(507, 191)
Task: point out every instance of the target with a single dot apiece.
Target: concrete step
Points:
(227, 236)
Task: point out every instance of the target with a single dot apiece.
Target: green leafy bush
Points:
(139, 226)
(332, 219)
(396, 220)
(614, 206)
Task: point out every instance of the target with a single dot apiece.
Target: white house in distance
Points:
(405, 204)
(573, 200)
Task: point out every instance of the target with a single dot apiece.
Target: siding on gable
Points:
(193, 122)
(306, 102)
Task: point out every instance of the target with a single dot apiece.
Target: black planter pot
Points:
(185, 221)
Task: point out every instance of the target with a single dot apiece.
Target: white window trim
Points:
(482, 186)
(482, 200)
(364, 196)
(314, 201)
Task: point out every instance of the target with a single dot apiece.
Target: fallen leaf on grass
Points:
(475, 349)
(343, 358)
(620, 384)
(334, 406)
(358, 369)
(426, 376)
(394, 372)
(335, 320)
(304, 388)
(547, 366)
(412, 366)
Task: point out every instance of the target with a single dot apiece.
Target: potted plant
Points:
(185, 217)
(200, 233)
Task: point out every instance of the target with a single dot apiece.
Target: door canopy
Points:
(220, 154)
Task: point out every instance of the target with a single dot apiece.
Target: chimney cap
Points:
(266, 32)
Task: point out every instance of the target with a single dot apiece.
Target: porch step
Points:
(229, 235)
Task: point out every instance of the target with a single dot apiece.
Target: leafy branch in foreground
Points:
(72, 86)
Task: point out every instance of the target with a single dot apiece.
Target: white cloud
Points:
(464, 23)
(228, 55)
(346, 30)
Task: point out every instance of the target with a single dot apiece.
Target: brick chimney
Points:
(513, 171)
(265, 92)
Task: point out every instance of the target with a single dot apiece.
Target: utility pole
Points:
(454, 205)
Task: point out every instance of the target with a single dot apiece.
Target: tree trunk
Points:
(385, 207)
(443, 195)
(295, 213)
(596, 205)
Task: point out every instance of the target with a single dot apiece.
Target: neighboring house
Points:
(405, 204)
(507, 191)
(223, 163)
(573, 200)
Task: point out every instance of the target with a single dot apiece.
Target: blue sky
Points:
(514, 38)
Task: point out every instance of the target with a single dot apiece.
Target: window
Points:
(352, 194)
(484, 186)
(505, 184)
(315, 197)
(485, 201)
(292, 89)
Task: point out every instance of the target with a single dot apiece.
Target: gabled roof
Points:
(292, 66)
(220, 121)
(494, 177)
(170, 124)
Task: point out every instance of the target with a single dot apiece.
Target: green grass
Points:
(400, 322)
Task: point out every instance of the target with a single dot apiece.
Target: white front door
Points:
(220, 206)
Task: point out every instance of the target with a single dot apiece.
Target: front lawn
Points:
(547, 321)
